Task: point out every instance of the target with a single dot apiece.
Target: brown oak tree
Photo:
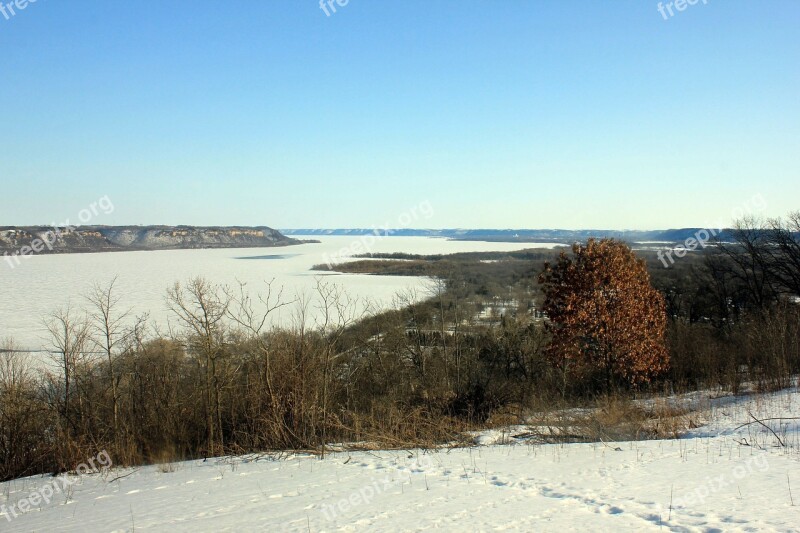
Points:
(605, 317)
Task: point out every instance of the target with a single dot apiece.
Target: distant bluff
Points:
(115, 238)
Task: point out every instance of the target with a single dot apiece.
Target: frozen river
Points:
(43, 284)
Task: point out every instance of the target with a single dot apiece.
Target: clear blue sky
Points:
(502, 113)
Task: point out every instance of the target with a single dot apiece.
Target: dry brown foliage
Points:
(605, 316)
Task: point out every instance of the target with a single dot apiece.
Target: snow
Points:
(45, 283)
(721, 477)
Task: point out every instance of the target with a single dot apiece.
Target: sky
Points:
(491, 114)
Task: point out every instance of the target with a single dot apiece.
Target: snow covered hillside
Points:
(722, 477)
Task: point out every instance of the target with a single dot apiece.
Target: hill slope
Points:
(721, 478)
(114, 238)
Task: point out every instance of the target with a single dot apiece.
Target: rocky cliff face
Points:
(111, 238)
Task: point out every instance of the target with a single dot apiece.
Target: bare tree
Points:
(201, 307)
(763, 259)
(785, 240)
(749, 259)
(109, 331)
(437, 290)
(22, 418)
(337, 311)
(69, 333)
(254, 317)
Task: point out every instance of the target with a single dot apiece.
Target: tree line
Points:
(227, 381)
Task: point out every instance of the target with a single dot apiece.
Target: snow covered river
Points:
(43, 284)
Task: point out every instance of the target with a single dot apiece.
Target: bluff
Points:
(114, 238)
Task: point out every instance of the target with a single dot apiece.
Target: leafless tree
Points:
(785, 241)
(108, 332)
(22, 417)
(254, 317)
(749, 258)
(337, 310)
(69, 334)
(202, 307)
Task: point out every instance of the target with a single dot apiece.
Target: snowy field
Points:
(721, 477)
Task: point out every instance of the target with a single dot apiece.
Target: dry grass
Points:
(166, 461)
(613, 419)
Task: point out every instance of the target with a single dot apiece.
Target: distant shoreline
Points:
(522, 236)
(20, 242)
(167, 249)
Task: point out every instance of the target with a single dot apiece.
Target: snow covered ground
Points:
(720, 478)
